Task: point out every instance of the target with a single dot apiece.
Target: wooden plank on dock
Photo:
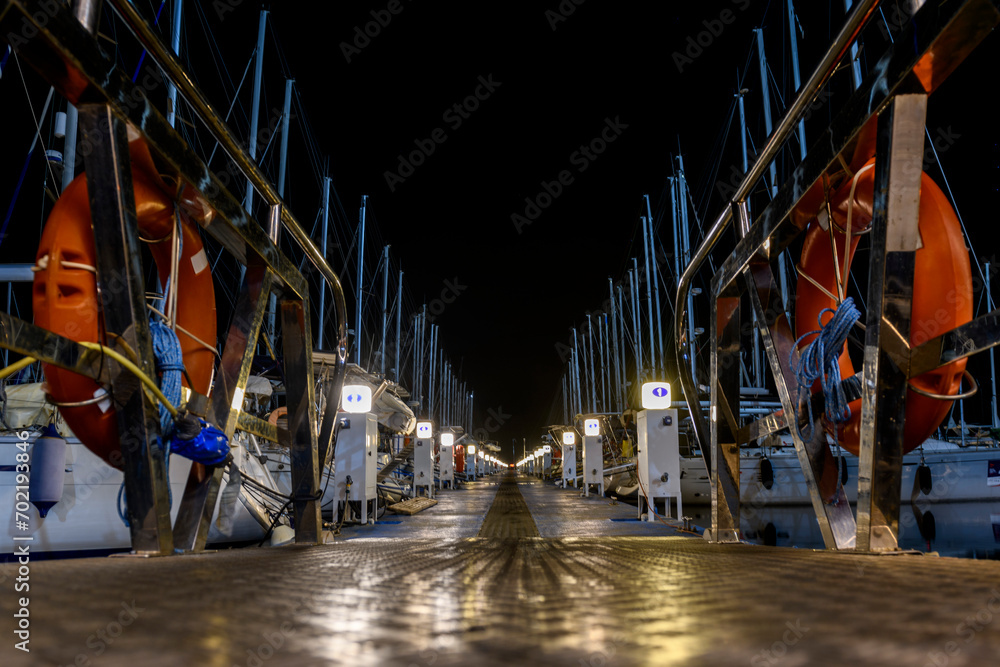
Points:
(412, 506)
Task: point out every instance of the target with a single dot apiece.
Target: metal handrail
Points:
(216, 125)
(856, 21)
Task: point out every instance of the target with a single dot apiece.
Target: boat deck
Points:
(511, 572)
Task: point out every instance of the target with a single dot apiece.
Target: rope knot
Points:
(820, 361)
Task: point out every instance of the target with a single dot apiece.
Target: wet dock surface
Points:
(530, 575)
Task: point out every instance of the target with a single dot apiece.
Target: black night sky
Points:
(540, 81)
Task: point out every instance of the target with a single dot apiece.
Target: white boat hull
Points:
(958, 475)
(86, 516)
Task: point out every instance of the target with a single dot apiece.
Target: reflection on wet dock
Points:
(514, 572)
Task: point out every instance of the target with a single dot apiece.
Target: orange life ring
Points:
(65, 297)
(942, 294)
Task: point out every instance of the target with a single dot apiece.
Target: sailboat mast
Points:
(656, 287)
(766, 101)
(623, 398)
(385, 306)
(255, 105)
(649, 290)
(614, 328)
(794, 43)
(990, 307)
(593, 374)
(633, 279)
(323, 232)
(175, 46)
(361, 277)
(399, 325)
(855, 65)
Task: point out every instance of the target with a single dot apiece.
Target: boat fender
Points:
(196, 439)
(47, 473)
(925, 479)
(770, 535)
(766, 473)
(928, 527)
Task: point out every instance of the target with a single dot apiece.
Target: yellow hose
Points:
(16, 366)
(120, 358)
(127, 363)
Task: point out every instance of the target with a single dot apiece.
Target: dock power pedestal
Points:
(423, 460)
(659, 459)
(354, 478)
(593, 457)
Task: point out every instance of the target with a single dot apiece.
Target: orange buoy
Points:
(942, 294)
(65, 297)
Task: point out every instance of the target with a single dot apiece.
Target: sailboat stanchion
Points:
(725, 371)
(836, 521)
(119, 273)
(198, 503)
(296, 337)
(895, 240)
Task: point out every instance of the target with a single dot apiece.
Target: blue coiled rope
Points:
(169, 361)
(819, 361)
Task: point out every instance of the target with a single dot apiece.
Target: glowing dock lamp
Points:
(656, 396)
(569, 438)
(591, 427)
(424, 430)
(356, 398)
